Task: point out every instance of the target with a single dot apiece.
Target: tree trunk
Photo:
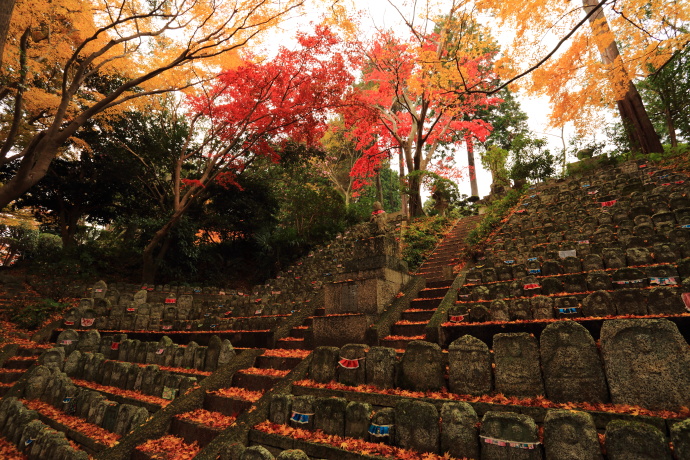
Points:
(6, 7)
(32, 168)
(471, 165)
(635, 119)
(150, 258)
(68, 220)
(379, 189)
(415, 196)
(403, 195)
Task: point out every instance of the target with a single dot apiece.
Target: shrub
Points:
(33, 315)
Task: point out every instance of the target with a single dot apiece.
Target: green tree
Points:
(666, 94)
(530, 160)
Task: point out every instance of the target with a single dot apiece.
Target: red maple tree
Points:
(417, 98)
(248, 113)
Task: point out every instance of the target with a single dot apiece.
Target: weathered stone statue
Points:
(378, 219)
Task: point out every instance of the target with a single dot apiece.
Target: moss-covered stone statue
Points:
(378, 220)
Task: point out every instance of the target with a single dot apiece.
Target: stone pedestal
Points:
(357, 297)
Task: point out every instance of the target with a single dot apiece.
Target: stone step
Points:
(20, 364)
(417, 315)
(486, 331)
(231, 407)
(291, 343)
(418, 328)
(193, 432)
(300, 331)
(399, 342)
(433, 292)
(439, 283)
(425, 303)
(277, 362)
(255, 381)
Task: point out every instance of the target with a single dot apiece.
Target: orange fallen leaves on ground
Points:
(78, 424)
(178, 370)
(404, 337)
(283, 353)
(10, 452)
(172, 447)
(537, 401)
(120, 392)
(208, 418)
(238, 393)
(355, 445)
(261, 371)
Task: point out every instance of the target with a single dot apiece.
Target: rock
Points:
(329, 415)
(417, 426)
(422, 367)
(517, 370)
(357, 416)
(323, 366)
(280, 409)
(352, 364)
(647, 363)
(570, 435)
(635, 440)
(469, 366)
(509, 436)
(572, 368)
(459, 434)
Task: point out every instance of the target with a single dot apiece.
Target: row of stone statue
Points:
(599, 303)
(164, 352)
(646, 362)
(21, 427)
(456, 429)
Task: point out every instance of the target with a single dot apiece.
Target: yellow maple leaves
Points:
(576, 79)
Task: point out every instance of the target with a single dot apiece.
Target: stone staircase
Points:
(568, 339)
(439, 275)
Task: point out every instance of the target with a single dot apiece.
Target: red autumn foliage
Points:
(260, 104)
(238, 393)
(355, 445)
(208, 418)
(538, 401)
(80, 425)
(170, 447)
(120, 392)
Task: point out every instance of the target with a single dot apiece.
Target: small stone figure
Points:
(378, 219)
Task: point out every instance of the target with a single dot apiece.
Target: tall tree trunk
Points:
(6, 7)
(403, 195)
(471, 164)
(156, 248)
(670, 123)
(415, 197)
(379, 189)
(32, 168)
(635, 119)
